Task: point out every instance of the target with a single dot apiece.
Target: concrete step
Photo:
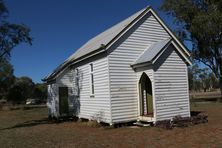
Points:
(142, 124)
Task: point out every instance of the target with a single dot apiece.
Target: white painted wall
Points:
(123, 79)
(84, 106)
(171, 86)
(65, 78)
(116, 83)
(52, 100)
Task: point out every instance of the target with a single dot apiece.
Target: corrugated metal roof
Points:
(98, 41)
(104, 38)
(150, 53)
(107, 37)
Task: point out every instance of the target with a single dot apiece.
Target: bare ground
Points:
(30, 128)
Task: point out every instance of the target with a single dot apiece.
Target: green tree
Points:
(190, 78)
(14, 94)
(213, 81)
(6, 77)
(40, 92)
(205, 78)
(11, 34)
(193, 76)
(21, 90)
(201, 78)
(200, 22)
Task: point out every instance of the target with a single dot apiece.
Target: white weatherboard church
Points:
(135, 70)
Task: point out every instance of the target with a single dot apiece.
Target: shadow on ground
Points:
(32, 123)
(195, 113)
(43, 121)
(29, 124)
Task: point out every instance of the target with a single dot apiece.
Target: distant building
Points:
(135, 70)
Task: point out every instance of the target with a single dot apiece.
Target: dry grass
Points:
(30, 128)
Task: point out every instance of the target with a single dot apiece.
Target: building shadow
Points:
(43, 121)
(195, 113)
(30, 123)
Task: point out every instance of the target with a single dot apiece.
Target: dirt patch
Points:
(30, 128)
(7, 107)
(179, 121)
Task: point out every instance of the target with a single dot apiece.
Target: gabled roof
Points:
(99, 41)
(104, 38)
(150, 53)
(103, 41)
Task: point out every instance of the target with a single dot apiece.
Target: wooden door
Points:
(63, 101)
(150, 104)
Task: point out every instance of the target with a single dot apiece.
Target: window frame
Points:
(91, 82)
(76, 71)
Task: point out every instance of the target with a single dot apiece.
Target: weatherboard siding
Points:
(171, 86)
(95, 107)
(65, 79)
(123, 79)
(52, 100)
(150, 73)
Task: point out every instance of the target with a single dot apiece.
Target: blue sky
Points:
(59, 27)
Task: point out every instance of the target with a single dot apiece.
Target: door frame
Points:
(141, 99)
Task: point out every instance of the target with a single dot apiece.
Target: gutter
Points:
(75, 61)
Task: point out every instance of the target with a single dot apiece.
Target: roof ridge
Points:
(107, 32)
(95, 43)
